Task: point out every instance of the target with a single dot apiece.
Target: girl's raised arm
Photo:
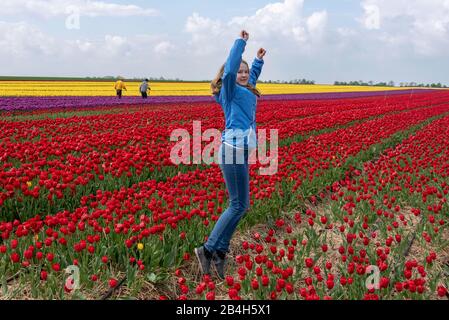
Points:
(232, 66)
(256, 68)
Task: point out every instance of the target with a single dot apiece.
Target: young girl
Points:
(235, 90)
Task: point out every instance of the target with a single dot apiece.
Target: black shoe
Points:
(220, 264)
(204, 259)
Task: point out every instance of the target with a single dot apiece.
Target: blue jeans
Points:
(235, 168)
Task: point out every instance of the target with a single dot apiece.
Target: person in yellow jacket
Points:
(119, 86)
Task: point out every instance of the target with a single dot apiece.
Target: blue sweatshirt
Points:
(239, 103)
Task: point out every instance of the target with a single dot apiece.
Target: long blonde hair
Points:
(217, 82)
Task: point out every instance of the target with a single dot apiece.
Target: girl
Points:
(235, 90)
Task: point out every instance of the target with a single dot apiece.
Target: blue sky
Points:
(323, 40)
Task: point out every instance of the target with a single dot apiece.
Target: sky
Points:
(321, 40)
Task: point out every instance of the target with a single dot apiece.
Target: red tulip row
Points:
(56, 160)
(308, 160)
(390, 216)
(168, 113)
(160, 116)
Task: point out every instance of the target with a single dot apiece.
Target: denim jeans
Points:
(235, 168)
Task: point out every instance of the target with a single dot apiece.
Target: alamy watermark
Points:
(72, 282)
(188, 149)
(72, 22)
(373, 280)
(372, 17)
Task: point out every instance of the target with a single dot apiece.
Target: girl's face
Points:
(243, 74)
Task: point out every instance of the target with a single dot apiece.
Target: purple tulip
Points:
(34, 103)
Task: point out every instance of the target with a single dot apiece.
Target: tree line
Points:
(389, 84)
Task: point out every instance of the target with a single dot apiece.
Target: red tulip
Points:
(15, 257)
(44, 275)
(14, 243)
(229, 281)
(254, 284)
(184, 289)
(323, 219)
(309, 262)
(210, 295)
(265, 281)
(442, 291)
(113, 283)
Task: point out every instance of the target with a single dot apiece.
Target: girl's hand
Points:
(244, 35)
(261, 53)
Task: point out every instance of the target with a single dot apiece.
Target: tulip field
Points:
(361, 193)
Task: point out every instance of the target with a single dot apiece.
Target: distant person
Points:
(144, 88)
(119, 86)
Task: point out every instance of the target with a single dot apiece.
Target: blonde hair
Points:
(217, 82)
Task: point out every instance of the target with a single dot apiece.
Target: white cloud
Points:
(163, 47)
(389, 42)
(280, 17)
(23, 40)
(316, 24)
(27, 50)
(116, 45)
(203, 30)
(346, 32)
(52, 8)
(197, 24)
(276, 23)
(282, 20)
(423, 24)
(83, 46)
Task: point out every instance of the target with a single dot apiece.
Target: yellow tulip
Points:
(106, 88)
